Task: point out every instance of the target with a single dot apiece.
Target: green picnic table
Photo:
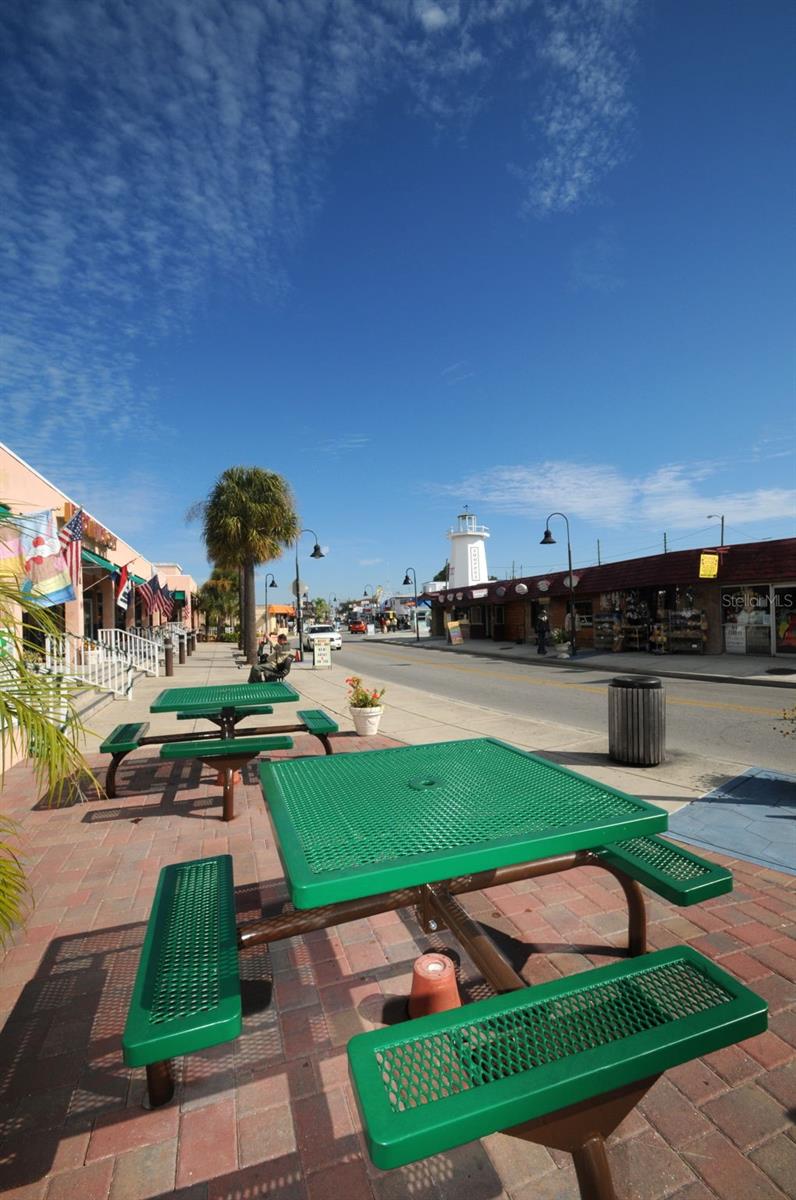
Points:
(361, 824)
(561, 1064)
(223, 702)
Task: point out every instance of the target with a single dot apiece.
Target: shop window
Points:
(583, 614)
(746, 617)
(785, 619)
(477, 614)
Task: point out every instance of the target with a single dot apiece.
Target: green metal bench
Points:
(186, 995)
(561, 1063)
(674, 873)
(228, 754)
(118, 744)
(319, 724)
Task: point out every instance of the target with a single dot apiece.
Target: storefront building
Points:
(660, 604)
(102, 553)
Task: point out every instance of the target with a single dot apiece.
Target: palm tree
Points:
(247, 519)
(28, 700)
(218, 598)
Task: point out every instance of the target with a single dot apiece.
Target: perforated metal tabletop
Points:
(224, 696)
(360, 824)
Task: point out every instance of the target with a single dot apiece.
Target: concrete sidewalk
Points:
(762, 671)
(272, 1116)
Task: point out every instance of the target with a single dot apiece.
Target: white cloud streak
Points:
(157, 154)
(675, 496)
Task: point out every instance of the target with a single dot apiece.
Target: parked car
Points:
(357, 625)
(322, 631)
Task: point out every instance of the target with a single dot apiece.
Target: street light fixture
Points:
(272, 584)
(718, 517)
(549, 540)
(316, 553)
(406, 583)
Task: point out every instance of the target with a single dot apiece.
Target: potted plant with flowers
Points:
(366, 707)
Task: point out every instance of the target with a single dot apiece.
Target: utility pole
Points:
(599, 564)
(665, 545)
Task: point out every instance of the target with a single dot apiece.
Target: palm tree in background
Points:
(219, 598)
(247, 519)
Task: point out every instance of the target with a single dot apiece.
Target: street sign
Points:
(302, 588)
(321, 652)
(708, 566)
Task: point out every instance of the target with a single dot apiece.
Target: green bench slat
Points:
(213, 710)
(124, 737)
(674, 873)
(225, 747)
(437, 1082)
(186, 995)
(317, 721)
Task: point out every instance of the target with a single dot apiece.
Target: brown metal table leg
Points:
(229, 794)
(110, 777)
(159, 1083)
(592, 1170)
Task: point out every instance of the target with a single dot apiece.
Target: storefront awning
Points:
(96, 560)
(137, 580)
(180, 596)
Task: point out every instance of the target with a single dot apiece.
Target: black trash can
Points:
(637, 720)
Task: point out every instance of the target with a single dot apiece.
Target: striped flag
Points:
(164, 602)
(71, 539)
(148, 592)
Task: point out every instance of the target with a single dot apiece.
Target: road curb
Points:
(568, 664)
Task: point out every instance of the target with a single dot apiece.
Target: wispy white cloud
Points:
(153, 153)
(585, 115)
(675, 496)
(343, 445)
(369, 562)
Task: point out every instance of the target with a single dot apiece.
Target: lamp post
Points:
(316, 553)
(406, 583)
(549, 540)
(332, 602)
(718, 517)
(272, 584)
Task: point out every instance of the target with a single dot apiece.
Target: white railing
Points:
(142, 652)
(92, 663)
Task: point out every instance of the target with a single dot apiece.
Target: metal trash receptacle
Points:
(637, 720)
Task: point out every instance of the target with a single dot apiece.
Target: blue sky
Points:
(515, 254)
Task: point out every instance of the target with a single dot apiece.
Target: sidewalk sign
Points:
(321, 652)
(455, 633)
(371, 629)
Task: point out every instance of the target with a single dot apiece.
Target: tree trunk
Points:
(250, 615)
(241, 607)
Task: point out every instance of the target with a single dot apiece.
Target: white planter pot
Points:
(366, 720)
(562, 649)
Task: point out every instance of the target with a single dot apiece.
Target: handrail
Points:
(91, 662)
(143, 653)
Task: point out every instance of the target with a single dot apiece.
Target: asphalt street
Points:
(733, 723)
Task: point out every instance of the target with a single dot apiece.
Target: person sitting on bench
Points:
(273, 665)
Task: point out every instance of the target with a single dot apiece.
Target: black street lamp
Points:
(272, 584)
(316, 553)
(549, 540)
(406, 583)
(718, 517)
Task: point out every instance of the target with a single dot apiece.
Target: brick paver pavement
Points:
(272, 1115)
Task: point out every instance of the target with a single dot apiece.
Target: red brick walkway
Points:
(272, 1115)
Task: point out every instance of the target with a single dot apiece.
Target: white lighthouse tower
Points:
(468, 552)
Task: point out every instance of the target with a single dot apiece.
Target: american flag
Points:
(71, 538)
(148, 592)
(164, 602)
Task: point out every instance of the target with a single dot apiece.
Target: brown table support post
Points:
(159, 1083)
(229, 794)
(491, 961)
